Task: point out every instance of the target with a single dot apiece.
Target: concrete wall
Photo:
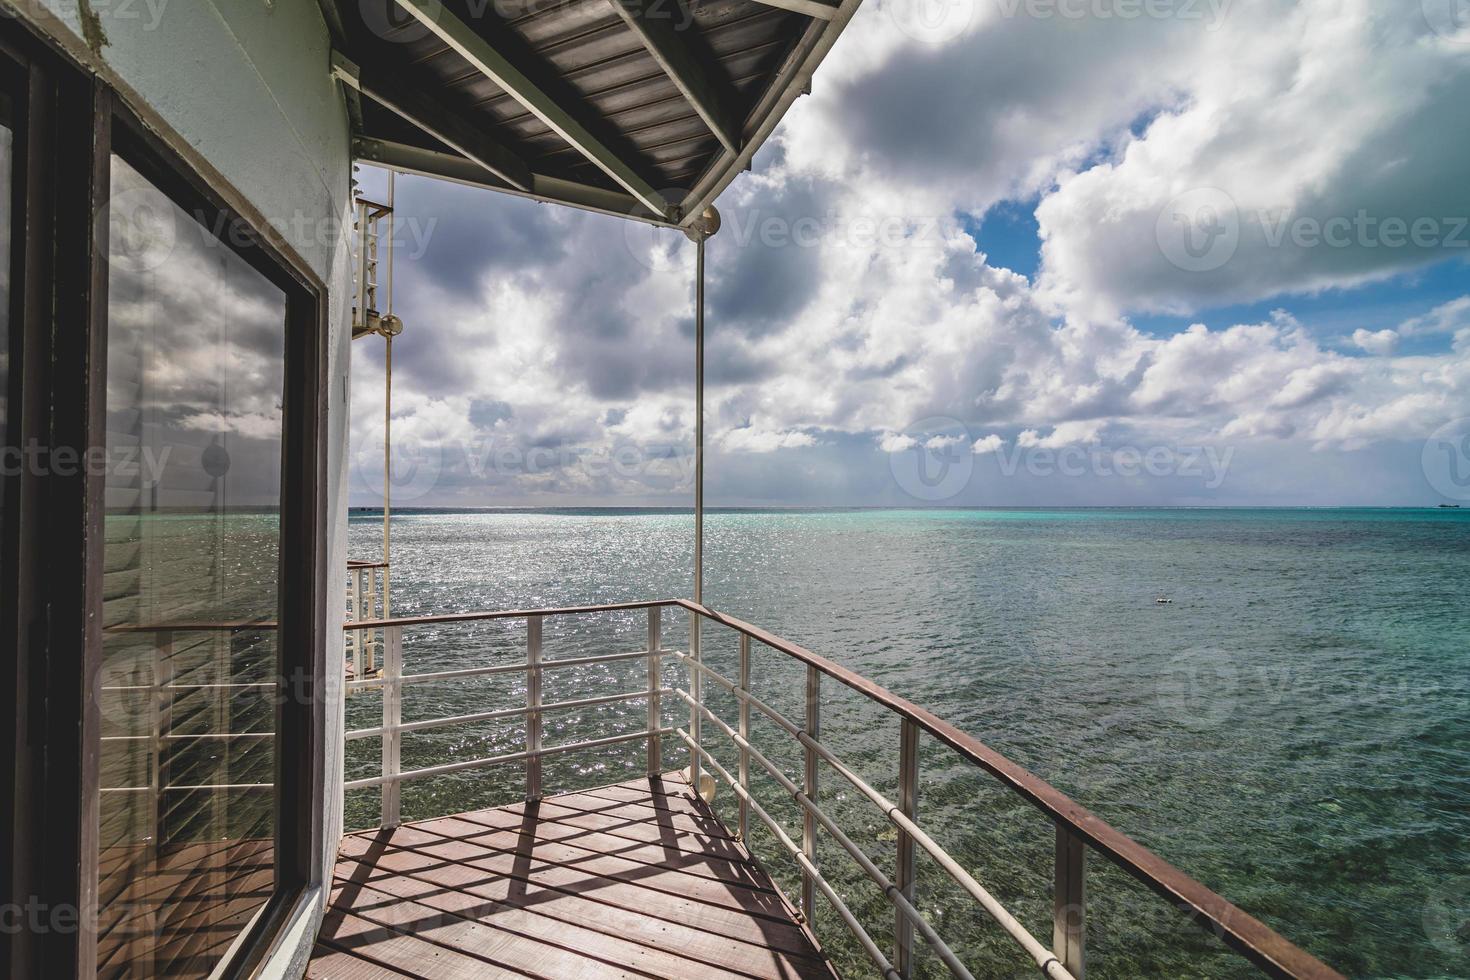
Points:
(247, 84)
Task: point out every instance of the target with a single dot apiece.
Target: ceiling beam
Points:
(553, 190)
(653, 22)
(791, 82)
(811, 8)
(491, 63)
(401, 96)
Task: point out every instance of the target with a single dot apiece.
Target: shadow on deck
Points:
(637, 879)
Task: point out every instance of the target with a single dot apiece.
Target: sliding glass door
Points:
(163, 570)
(196, 350)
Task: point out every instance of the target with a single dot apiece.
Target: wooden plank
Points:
(636, 879)
(532, 928)
(722, 920)
(754, 954)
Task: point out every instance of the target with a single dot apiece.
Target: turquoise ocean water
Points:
(1293, 729)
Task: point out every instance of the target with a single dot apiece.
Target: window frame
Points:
(53, 533)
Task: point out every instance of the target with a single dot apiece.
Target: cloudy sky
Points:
(1007, 252)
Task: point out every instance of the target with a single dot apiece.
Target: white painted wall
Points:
(248, 84)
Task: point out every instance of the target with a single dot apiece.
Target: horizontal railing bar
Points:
(417, 726)
(228, 626)
(853, 926)
(499, 759)
(252, 685)
(470, 617)
(185, 738)
(1043, 956)
(208, 787)
(889, 889)
(522, 666)
(1267, 949)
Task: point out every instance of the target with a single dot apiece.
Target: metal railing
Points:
(1077, 830)
(368, 594)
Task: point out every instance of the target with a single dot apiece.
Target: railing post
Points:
(392, 719)
(655, 685)
(161, 723)
(745, 734)
(809, 787)
(1069, 916)
(908, 805)
(696, 689)
(533, 706)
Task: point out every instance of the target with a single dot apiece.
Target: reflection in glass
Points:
(7, 167)
(195, 374)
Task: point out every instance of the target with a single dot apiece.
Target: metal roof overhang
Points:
(645, 109)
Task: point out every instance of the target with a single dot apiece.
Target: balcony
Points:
(642, 876)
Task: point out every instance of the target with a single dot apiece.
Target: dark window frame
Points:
(73, 123)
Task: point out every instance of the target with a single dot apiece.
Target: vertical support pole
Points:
(387, 463)
(908, 804)
(160, 724)
(808, 820)
(392, 719)
(745, 734)
(533, 708)
(696, 681)
(655, 685)
(699, 426)
(696, 691)
(1069, 916)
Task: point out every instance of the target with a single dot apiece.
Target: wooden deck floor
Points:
(640, 879)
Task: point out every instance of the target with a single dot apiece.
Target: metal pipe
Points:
(503, 713)
(908, 801)
(744, 733)
(655, 688)
(903, 903)
(392, 718)
(809, 782)
(855, 927)
(467, 672)
(1049, 964)
(533, 708)
(493, 760)
(694, 619)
